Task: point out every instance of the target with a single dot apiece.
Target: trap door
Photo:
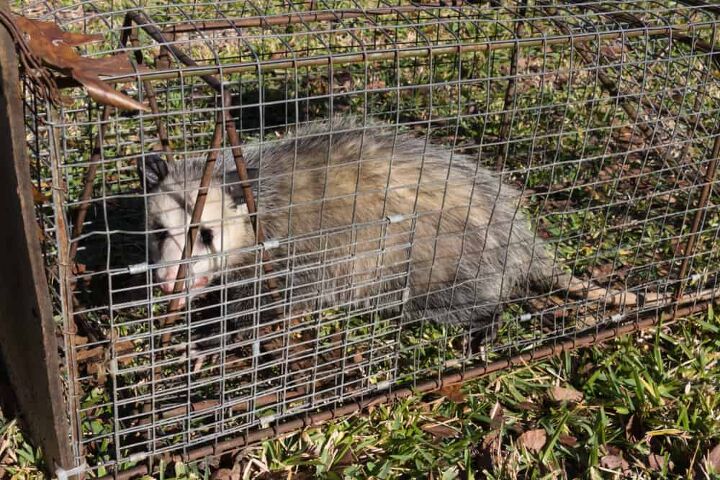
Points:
(28, 341)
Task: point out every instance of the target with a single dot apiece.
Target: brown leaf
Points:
(527, 406)
(4, 445)
(56, 49)
(347, 459)
(612, 51)
(38, 197)
(533, 440)
(487, 452)
(99, 371)
(563, 394)
(424, 407)
(225, 474)
(713, 459)
(603, 271)
(657, 462)
(613, 450)
(439, 431)
(615, 462)
(453, 393)
(568, 440)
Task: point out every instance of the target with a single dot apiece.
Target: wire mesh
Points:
(359, 275)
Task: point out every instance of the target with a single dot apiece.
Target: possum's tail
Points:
(545, 275)
(591, 291)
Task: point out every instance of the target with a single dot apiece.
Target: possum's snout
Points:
(165, 277)
(168, 252)
(166, 281)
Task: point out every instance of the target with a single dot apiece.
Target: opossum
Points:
(367, 211)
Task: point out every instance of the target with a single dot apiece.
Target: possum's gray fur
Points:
(459, 248)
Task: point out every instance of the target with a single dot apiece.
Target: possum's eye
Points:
(207, 236)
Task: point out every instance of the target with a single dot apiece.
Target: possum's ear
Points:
(235, 189)
(154, 171)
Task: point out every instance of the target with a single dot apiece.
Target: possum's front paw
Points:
(483, 336)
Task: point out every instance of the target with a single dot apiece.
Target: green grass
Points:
(647, 399)
(18, 458)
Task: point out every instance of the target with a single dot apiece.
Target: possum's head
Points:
(224, 226)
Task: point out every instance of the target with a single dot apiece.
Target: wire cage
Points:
(596, 121)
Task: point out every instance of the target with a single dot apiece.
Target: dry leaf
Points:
(527, 406)
(533, 440)
(38, 197)
(225, 474)
(235, 473)
(713, 459)
(488, 452)
(568, 440)
(4, 448)
(562, 394)
(613, 450)
(453, 393)
(440, 431)
(347, 459)
(657, 462)
(56, 49)
(424, 407)
(603, 271)
(615, 462)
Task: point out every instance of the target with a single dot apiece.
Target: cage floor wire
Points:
(331, 204)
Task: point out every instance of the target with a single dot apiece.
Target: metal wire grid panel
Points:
(601, 115)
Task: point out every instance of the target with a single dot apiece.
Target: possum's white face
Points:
(224, 225)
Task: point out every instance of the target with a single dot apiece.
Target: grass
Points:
(19, 458)
(643, 406)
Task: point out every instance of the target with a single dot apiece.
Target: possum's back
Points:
(453, 227)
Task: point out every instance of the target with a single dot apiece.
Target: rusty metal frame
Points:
(28, 340)
(415, 52)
